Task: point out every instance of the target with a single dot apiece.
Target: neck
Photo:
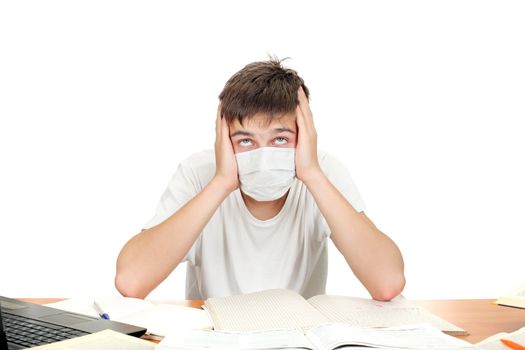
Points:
(264, 210)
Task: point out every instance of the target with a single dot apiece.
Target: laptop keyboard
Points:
(29, 332)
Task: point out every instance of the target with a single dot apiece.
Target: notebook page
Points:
(372, 313)
(270, 309)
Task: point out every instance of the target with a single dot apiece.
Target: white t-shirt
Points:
(237, 253)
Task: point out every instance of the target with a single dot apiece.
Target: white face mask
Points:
(266, 173)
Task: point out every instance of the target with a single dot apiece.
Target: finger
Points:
(217, 123)
(303, 100)
(300, 119)
(219, 117)
(305, 108)
(225, 129)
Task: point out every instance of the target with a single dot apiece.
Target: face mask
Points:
(266, 173)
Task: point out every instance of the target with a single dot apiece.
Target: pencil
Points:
(512, 344)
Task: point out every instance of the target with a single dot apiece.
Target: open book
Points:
(282, 308)
(322, 337)
(515, 298)
(158, 319)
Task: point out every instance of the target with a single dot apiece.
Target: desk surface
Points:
(480, 317)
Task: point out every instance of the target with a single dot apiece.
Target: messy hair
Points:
(261, 87)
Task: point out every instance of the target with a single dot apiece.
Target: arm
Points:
(373, 256)
(150, 256)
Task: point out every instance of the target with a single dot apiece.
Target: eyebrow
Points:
(275, 131)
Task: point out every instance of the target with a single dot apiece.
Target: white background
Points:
(423, 101)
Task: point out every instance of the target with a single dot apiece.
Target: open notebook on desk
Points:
(281, 308)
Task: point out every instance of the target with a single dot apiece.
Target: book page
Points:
(271, 339)
(422, 336)
(107, 339)
(270, 309)
(372, 313)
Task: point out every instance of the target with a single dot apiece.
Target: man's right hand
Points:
(225, 161)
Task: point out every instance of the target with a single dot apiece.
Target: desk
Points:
(480, 317)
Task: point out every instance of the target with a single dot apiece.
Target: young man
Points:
(257, 213)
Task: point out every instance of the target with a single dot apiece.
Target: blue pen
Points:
(100, 312)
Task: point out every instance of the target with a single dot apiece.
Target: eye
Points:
(281, 140)
(245, 142)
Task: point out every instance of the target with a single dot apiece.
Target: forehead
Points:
(260, 122)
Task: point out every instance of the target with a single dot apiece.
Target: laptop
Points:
(25, 325)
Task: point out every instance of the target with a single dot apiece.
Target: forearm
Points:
(150, 256)
(373, 256)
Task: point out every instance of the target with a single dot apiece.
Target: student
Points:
(257, 213)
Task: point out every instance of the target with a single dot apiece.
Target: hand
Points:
(306, 161)
(225, 161)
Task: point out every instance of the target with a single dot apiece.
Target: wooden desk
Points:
(480, 317)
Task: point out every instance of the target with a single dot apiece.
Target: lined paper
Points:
(270, 309)
(372, 313)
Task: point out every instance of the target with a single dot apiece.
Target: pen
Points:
(100, 312)
(512, 344)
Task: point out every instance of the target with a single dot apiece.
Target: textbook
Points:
(515, 298)
(321, 337)
(282, 308)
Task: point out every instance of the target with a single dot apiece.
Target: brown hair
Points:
(261, 87)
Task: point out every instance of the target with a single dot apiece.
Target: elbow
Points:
(389, 290)
(128, 287)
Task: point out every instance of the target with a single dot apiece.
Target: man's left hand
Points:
(306, 161)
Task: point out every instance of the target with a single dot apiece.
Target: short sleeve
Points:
(182, 187)
(340, 177)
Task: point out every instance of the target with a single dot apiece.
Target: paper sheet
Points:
(158, 319)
